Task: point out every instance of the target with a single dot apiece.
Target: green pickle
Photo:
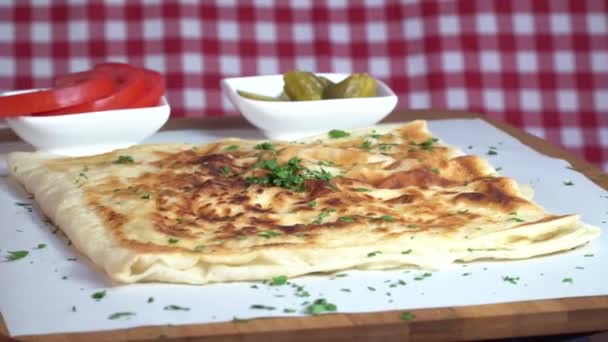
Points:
(356, 85)
(258, 97)
(306, 86)
(303, 86)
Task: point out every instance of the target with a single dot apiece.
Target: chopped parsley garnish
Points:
(231, 148)
(588, 255)
(41, 246)
(16, 255)
(347, 219)
(366, 145)
(512, 280)
(345, 290)
(199, 248)
(336, 133)
(73, 308)
(180, 220)
(320, 306)
(426, 145)
(312, 204)
(98, 295)
(279, 280)
(568, 183)
(173, 241)
(239, 320)
(568, 280)
(289, 310)
(406, 316)
(262, 307)
(118, 315)
(363, 189)
(322, 215)
(516, 219)
(27, 206)
(371, 288)
(466, 274)
(408, 251)
(174, 307)
(146, 196)
(412, 225)
(269, 234)
(387, 218)
(373, 254)
(325, 163)
(286, 176)
(492, 153)
(375, 135)
(463, 211)
(123, 160)
(499, 168)
(150, 299)
(265, 146)
(225, 170)
(435, 170)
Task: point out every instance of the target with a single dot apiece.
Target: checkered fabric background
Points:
(541, 65)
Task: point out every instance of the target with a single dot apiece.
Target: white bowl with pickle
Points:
(299, 104)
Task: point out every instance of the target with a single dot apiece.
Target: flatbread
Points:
(233, 210)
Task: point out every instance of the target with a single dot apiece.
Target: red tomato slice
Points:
(130, 85)
(153, 91)
(78, 90)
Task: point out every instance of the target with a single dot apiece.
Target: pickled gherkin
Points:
(303, 86)
(254, 96)
(356, 85)
(306, 86)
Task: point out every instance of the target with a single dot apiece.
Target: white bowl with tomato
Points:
(112, 106)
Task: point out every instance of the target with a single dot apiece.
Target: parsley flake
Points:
(279, 280)
(568, 183)
(407, 251)
(173, 241)
(262, 307)
(336, 133)
(373, 254)
(269, 234)
(41, 246)
(435, 170)
(267, 146)
(347, 219)
(123, 160)
(16, 255)
(568, 280)
(231, 148)
(98, 295)
(366, 145)
(406, 316)
(174, 307)
(312, 204)
(492, 153)
(118, 315)
(150, 299)
(320, 306)
(387, 218)
(363, 189)
(512, 280)
(225, 170)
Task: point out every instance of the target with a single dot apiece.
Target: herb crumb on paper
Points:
(15, 255)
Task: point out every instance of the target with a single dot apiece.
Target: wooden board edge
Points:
(547, 317)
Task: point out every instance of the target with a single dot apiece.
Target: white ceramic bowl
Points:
(90, 133)
(289, 120)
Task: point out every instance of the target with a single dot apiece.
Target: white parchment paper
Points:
(50, 290)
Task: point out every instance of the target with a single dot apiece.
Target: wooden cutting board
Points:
(518, 319)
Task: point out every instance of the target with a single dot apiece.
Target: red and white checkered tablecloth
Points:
(538, 64)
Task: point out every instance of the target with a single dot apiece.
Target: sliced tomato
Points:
(130, 83)
(153, 90)
(82, 89)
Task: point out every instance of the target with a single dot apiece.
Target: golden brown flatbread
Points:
(376, 198)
